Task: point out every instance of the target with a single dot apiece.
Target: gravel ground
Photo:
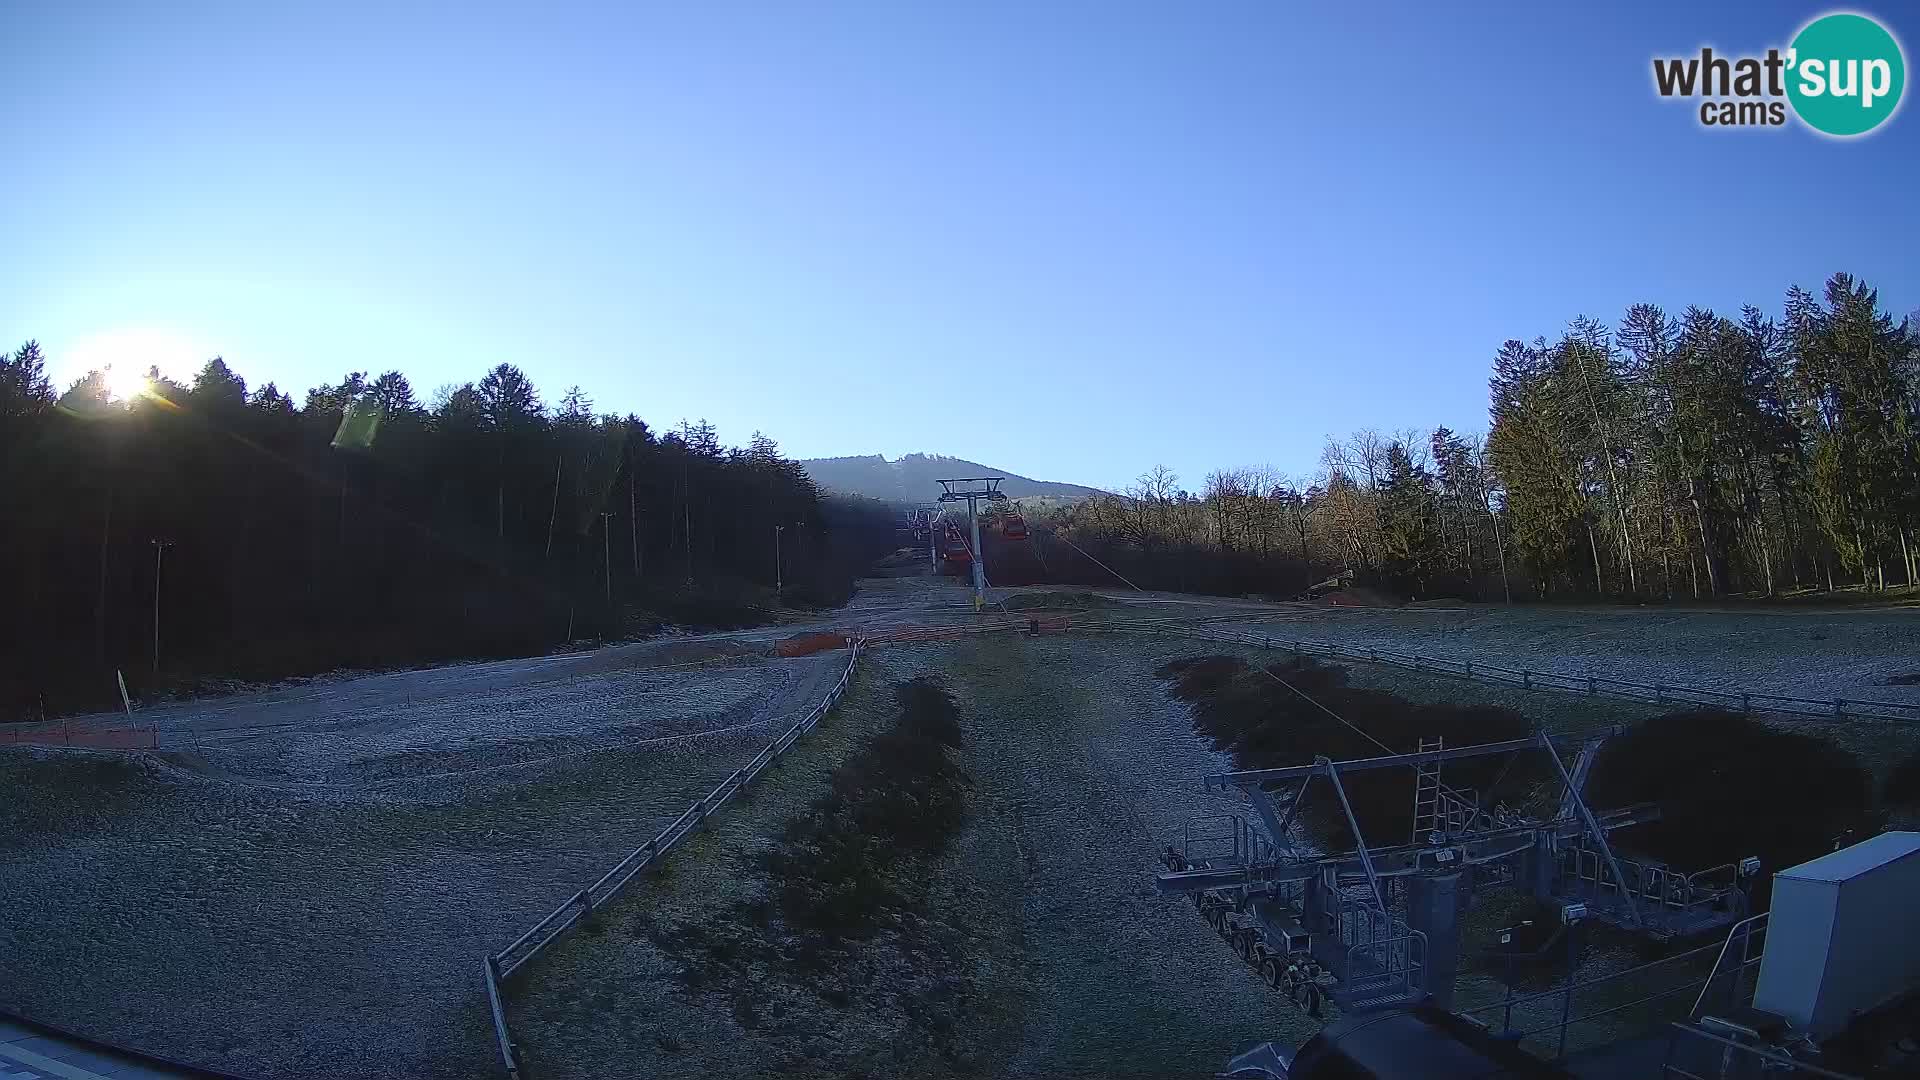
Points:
(170, 901)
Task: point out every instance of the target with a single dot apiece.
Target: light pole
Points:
(159, 548)
(778, 588)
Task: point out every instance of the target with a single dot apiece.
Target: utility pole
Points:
(779, 589)
(988, 491)
(159, 548)
(606, 549)
(554, 510)
(633, 521)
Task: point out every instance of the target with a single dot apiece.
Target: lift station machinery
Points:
(1385, 922)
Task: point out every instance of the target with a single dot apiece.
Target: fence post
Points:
(1746, 703)
(1837, 707)
(1469, 669)
(1593, 687)
(1526, 680)
(1659, 694)
(1373, 653)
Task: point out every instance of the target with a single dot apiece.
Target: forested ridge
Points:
(1665, 456)
(364, 528)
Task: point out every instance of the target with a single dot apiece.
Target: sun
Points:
(125, 382)
(126, 354)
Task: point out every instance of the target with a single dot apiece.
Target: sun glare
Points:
(126, 355)
(125, 382)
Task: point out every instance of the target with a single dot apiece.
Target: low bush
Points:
(1729, 786)
(856, 862)
(1903, 784)
(844, 867)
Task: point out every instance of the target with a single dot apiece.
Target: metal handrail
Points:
(499, 965)
(1744, 928)
(1670, 1069)
(1560, 991)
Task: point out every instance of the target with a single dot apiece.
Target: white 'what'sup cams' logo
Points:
(1842, 76)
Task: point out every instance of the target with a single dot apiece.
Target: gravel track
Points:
(314, 900)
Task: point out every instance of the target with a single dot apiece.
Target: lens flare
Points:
(126, 382)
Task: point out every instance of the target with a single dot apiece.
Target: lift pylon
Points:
(974, 490)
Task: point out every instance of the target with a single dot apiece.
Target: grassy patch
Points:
(66, 794)
(842, 907)
(844, 868)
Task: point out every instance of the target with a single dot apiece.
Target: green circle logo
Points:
(1845, 74)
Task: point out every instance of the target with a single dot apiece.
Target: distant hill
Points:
(913, 478)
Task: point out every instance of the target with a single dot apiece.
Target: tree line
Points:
(1690, 456)
(202, 530)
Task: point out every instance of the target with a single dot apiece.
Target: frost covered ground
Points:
(301, 882)
(1826, 654)
(311, 896)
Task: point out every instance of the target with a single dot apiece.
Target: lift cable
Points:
(1479, 808)
(1311, 700)
(1056, 535)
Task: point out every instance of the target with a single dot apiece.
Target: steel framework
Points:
(1384, 922)
(987, 491)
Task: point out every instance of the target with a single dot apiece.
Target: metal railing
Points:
(499, 965)
(1580, 1014)
(1648, 883)
(1732, 981)
(1696, 1054)
(1744, 701)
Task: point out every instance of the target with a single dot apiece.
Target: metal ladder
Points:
(1426, 792)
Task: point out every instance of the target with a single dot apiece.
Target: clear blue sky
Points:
(1198, 234)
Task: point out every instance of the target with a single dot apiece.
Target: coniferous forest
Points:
(363, 527)
(1688, 456)
(1667, 456)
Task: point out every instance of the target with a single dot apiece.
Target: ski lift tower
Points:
(974, 489)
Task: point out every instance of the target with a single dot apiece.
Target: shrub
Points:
(838, 869)
(1729, 786)
(1903, 784)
